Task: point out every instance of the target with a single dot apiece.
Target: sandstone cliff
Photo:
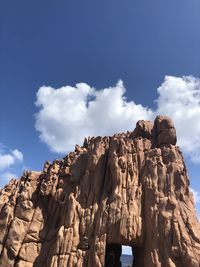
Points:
(131, 189)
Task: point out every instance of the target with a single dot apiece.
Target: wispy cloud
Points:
(196, 195)
(6, 176)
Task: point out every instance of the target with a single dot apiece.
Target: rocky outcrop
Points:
(128, 189)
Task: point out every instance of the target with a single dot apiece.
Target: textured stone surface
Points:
(131, 189)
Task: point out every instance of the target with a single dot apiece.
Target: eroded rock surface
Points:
(131, 189)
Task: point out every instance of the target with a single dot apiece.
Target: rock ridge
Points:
(127, 189)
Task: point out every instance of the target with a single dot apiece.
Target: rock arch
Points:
(131, 188)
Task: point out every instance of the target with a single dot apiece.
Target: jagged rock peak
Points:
(161, 132)
(128, 189)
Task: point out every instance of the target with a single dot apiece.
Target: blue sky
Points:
(95, 44)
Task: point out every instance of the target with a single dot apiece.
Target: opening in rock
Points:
(124, 256)
(127, 256)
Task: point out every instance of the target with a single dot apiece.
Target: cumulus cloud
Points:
(179, 98)
(68, 114)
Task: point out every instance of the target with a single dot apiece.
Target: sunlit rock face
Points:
(129, 189)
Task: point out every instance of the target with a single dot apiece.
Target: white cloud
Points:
(196, 195)
(6, 160)
(17, 155)
(179, 98)
(68, 114)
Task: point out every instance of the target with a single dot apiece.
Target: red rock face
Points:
(128, 189)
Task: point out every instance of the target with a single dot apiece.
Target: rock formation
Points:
(129, 189)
